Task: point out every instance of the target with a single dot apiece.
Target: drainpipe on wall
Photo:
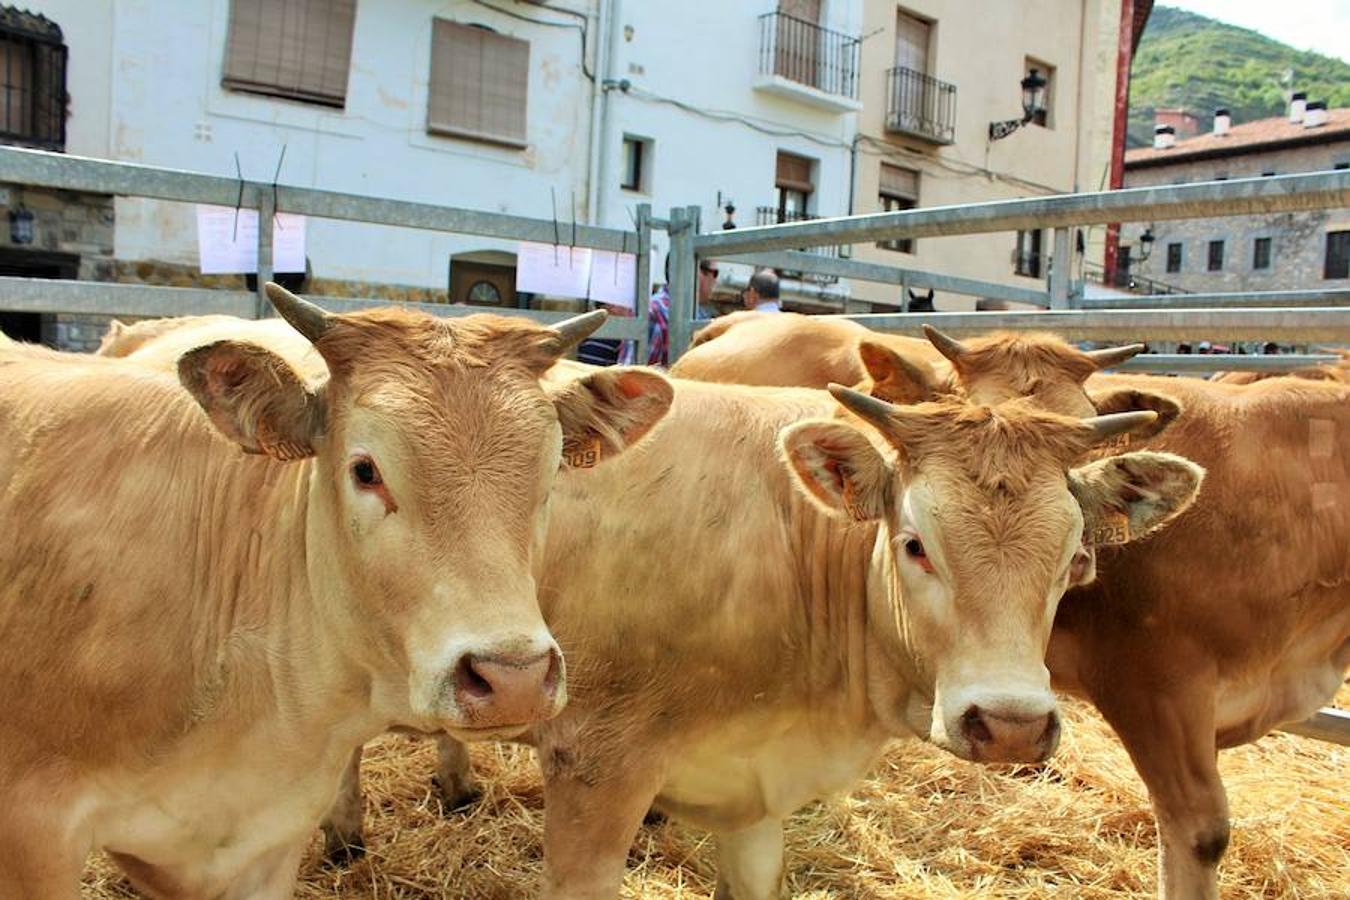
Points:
(1124, 52)
(606, 50)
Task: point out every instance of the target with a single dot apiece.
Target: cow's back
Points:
(790, 350)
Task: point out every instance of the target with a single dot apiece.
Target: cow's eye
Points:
(365, 473)
(914, 549)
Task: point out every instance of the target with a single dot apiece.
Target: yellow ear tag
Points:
(582, 454)
(1110, 529)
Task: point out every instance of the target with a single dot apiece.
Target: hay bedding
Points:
(925, 825)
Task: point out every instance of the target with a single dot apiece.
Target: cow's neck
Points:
(835, 559)
(258, 617)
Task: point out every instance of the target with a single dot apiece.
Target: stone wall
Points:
(64, 222)
(1298, 240)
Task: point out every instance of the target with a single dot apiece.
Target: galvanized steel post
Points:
(683, 281)
(1061, 264)
(267, 209)
(641, 303)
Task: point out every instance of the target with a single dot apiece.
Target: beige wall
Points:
(981, 47)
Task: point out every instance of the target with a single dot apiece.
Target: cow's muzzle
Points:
(1009, 735)
(495, 691)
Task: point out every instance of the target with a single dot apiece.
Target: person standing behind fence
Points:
(761, 294)
(658, 317)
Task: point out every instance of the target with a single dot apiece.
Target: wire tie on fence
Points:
(239, 200)
(276, 207)
(557, 235)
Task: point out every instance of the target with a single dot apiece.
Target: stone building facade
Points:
(56, 234)
(1287, 251)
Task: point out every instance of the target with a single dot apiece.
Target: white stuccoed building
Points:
(495, 105)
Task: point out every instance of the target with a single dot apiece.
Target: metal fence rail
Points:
(54, 170)
(1236, 299)
(1244, 196)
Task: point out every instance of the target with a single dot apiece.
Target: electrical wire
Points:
(581, 29)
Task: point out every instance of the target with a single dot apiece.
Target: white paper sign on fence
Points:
(227, 250)
(614, 278)
(554, 270)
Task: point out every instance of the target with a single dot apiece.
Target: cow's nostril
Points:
(468, 680)
(974, 727)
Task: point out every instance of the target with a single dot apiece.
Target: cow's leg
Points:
(343, 836)
(590, 821)
(750, 862)
(1169, 732)
(454, 776)
(271, 877)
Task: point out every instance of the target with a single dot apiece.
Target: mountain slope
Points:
(1199, 63)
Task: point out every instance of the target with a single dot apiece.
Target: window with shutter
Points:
(479, 84)
(297, 49)
(898, 190)
(32, 80)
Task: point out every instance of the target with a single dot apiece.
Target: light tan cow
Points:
(758, 601)
(196, 636)
(1230, 623)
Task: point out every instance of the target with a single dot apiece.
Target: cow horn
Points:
(1112, 424)
(878, 412)
(948, 346)
(573, 331)
(1113, 356)
(305, 317)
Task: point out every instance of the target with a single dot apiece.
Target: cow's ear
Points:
(1129, 496)
(839, 467)
(895, 378)
(254, 398)
(1128, 400)
(606, 411)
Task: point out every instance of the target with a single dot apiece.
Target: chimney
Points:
(1222, 122)
(1164, 137)
(1297, 105)
(1316, 114)
(1184, 124)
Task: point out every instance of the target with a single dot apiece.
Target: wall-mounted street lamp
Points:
(1146, 243)
(1033, 101)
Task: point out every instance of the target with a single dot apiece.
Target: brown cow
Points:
(195, 637)
(1230, 623)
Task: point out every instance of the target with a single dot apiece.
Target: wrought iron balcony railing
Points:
(808, 54)
(920, 105)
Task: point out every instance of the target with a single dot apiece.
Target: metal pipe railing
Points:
(1246, 196)
(1234, 300)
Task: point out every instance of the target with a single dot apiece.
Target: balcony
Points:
(920, 106)
(808, 63)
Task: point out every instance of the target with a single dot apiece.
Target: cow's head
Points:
(434, 447)
(1051, 373)
(985, 525)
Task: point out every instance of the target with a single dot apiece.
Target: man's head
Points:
(763, 288)
(707, 279)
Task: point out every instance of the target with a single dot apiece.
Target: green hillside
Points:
(1199, 63)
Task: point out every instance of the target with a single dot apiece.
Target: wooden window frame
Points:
(1214, 261)
(1262, 253)
(37, 61)
(895, 198)
(1174, 266)
(245, 66)
(441, 78)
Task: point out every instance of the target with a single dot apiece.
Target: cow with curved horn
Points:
(906, 569)
(1232, 622)
(198, 635)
